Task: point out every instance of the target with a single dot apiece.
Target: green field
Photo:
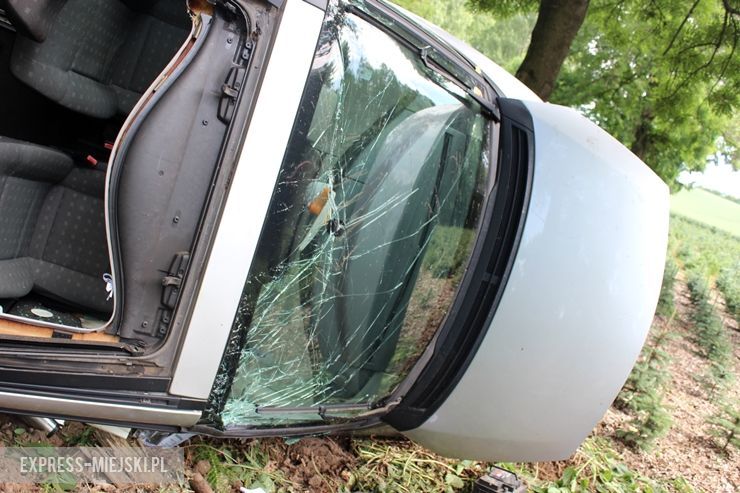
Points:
(708, 208)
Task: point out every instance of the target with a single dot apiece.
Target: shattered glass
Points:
(368, 234)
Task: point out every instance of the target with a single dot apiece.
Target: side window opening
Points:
(369, 231)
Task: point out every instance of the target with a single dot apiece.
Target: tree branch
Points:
(728, 60)
(717, 45)
(729, 8)
(680, 28)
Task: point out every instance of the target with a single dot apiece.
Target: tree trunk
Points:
(558, 22)
(643, 140)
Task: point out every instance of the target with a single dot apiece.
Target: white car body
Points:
(576, 301)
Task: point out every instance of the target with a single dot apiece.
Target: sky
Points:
(718, 177)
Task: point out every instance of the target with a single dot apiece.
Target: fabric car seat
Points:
(52, 227)
(95, 57)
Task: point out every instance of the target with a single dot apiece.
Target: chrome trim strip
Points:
(55, 406)
(248, 200)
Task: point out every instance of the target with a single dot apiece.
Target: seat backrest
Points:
(98, 56)
(72, 64)
(69, 248)
(153, 38)
(27, 174)
(53, 239)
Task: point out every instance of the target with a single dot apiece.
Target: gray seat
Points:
(52, 227)
(95, 57)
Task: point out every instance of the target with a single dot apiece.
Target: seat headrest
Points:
(33, 18)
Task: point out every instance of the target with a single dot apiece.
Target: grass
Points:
(708, 208)
(448, 250)
(384, 465)
(596, 467)
(403, 467)
(703, 249)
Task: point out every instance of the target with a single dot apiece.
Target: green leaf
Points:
(454, 481)
(569, 477)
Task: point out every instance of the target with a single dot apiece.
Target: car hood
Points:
(577, 306)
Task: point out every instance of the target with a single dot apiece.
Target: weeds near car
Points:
(643, 393)
(711, 337)
(666, 303)
(407, 468)
(598, 468)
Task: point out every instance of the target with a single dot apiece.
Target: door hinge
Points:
(230, 92)
(171, 284)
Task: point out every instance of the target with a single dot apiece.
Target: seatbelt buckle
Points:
(91, 160)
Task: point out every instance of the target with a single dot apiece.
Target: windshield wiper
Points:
(333, 412)
(430, 55)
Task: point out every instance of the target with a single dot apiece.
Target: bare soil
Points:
(315, 464)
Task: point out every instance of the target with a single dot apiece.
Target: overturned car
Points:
(292, 217)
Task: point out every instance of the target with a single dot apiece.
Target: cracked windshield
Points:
(368, 234)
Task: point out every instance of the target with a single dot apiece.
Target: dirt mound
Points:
(315, 464)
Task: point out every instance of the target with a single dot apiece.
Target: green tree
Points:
(643, 394)
(666, 303)
(558, 23)
(725, 427)
(661, 76)
(712, 338)
(503, 39)
(650, 422)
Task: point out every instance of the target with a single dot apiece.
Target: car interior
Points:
(71, 71)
